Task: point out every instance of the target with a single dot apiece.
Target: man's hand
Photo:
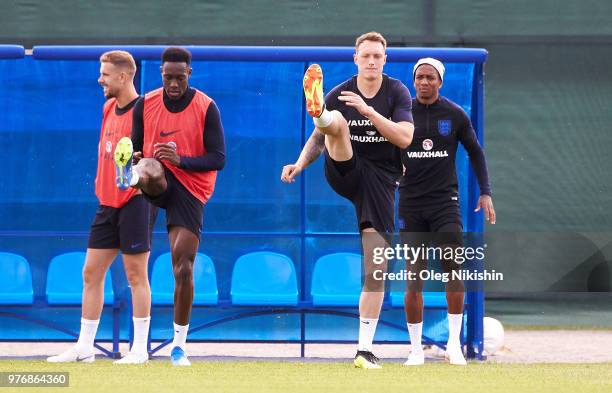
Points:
(355, 100)
(167, 151)
(290, 172)
(486, 203)
(137, 156)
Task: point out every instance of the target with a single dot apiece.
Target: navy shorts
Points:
(431, 219)
(435, 226)
(369, 190)
(127, 228)
(182, 208)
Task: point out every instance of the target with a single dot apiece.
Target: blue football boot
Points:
(178, 357)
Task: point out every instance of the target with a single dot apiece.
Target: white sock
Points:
(87, 335)
(135, 177)
(324, 120)
(141, 334)
(454, 328)
(415, 330)
(367, 328)
(180, 336)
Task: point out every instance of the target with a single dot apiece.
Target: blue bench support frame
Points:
(303, 309)
(12, 52)
(474, 223)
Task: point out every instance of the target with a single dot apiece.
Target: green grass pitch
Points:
(297, 377)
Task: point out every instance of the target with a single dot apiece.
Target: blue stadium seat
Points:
(204, 279)
(264, 279)
(430, 299)
(15, 280)
(65, 280)
(336, 280)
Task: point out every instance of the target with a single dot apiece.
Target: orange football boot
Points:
(313, 90)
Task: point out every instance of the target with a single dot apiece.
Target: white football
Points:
(493, 335)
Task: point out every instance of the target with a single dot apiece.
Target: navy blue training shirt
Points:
(431, 177)
(393, 102)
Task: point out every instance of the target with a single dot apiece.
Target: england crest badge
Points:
(445, 127)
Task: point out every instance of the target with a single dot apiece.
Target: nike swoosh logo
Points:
(135, 245)
(80, 359)
(168, 133)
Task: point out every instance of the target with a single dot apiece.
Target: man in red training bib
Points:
(123, 221)
(177, 131)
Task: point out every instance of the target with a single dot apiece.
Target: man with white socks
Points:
(123, 222)
(177, 145)
(360, 126)
(429, 198)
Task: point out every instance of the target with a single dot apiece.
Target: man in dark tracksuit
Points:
(429, 198)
